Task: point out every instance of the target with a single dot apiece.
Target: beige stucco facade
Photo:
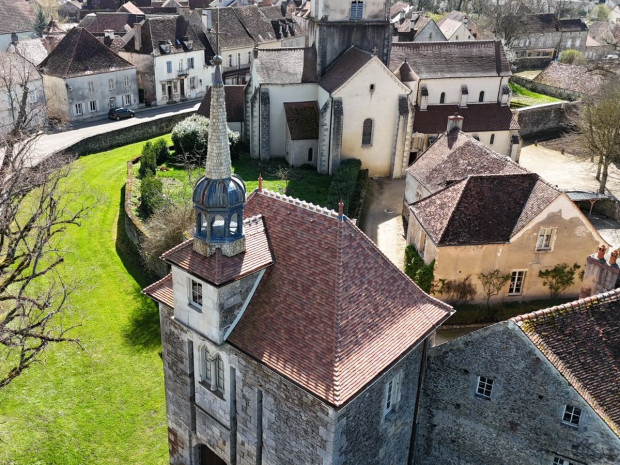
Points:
(338, 10)
(573, 239)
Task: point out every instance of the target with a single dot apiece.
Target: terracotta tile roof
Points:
(33, 50)
(286, 65)
(131, 8)
(582, 340)
(333, 312)
(161, 291)
(590, 42)
(80, 53)
(455, 156)
(448, 26)
(343, 68)
(397, 8)
(15, 70)
(483, 209)
(256, 24)
(302, 119)
(452, 59)
(572, 77)
(170, 29)
(234, 104)
(478, 117)
(17, 16)
(218, 269)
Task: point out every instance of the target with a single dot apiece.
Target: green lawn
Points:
(522, 97)
(104, 404)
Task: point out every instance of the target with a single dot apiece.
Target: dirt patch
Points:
(569, 142)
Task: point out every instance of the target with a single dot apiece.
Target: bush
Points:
(190, 136)
(572, 57)
(151, 195)
(559, 278)
(148, 163)
(234, 139)
(423, 275)
(162, 152)
(343, 184)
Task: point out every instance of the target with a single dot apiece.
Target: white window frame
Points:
(484, 388)
(572, 415)
(190, 63)
(91, 87)
(545, 239)
(192, 82)
(169, 67)
(77, 108)
(32, 96)
(561, 461)
(127, 99)
(126, 81)
(111, 84)
(112, 102)
(195, 293)
(357, 10)
(392, 394)
(92, 106)
(512, 288)
(206, 372)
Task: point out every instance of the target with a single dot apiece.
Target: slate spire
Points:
(218, 151)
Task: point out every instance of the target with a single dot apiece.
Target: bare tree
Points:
(507, 22)
(35, 210)
(492, 283)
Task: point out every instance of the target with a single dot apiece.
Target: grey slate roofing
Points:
(345, 66)
(33, 50)
(16, 16)
(256, 24)
(168, 29)
(451, 59)
(80, 53)
(232, 35)
(404, 73)
(455, 156)
(129, 7)
(302, 119)
(97, 23)
(286, 65)
(483, 209)
(15, 70)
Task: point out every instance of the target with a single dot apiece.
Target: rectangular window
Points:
(192, 82)
(190, 63)
(572, 415)
(492, 139)
(516, 282)
(78, 108)
(112, 102)
(174, 87)
(111, 84)
(357, 10)
(485, 386)
(229, 61)
(128, 99)
(196, 293)
(545, 236)
(126, 83)
(92, 105)
(249, 57)
(32, 96)
(91, 87)
(392, 394)
(238, 59)
(561, 461)
(169, 67)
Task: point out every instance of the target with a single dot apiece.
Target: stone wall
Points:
(521, 422)
(526, 63)
(545, 89)
(544, 121)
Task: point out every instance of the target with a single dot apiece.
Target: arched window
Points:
(232, 226)
(217, 227)
(492, 139)
(219, 367)
(357, 10)
(481, 96)
(310, 155)
(367, 132)
(442, 98)
(206, 366)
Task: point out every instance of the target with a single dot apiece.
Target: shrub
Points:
(457, 291)
(423, 275)
(151, 195)
(162, 152)
(234, 140)
(572, 57)
(148, 164)
(343, 184)
(558, 278)
(190, 136)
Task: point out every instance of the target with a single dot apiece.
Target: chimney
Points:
(260, 183)
(455, 121)
(137, 36)
(601, 252)
(613, 258)
(109, 33)
(341, 210)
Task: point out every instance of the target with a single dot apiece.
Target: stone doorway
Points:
(205, 456)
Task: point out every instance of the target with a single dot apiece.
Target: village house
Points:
(16, 22)
(541, 388)
(603, 38)
(83, 78)
(234, 107)
(104, 23)
(262, 357)
(169, 59)
(410, 25)
(457, 26)
(70, 10)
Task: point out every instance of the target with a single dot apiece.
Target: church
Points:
(276, 348)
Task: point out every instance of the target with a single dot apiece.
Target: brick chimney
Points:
(455, 121)
(137, 36)
(600, 274)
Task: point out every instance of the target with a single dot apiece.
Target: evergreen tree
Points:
(40, 23)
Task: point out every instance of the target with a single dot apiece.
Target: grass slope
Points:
(106, 404)
(522, 97)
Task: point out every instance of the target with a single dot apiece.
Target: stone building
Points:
(541, 388)
(409, 25)
(288, 337)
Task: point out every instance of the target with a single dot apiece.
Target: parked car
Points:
(120, 113)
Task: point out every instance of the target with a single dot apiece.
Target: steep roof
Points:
(572, 25)
(572, 77)
(478, 118)
(234, 104)
(540, 23)
(168, 29)
(404, 73)
(16, 70)
(448, 26)
(256, 24)
(17, 16)
(452, 59)
(286, 65)
(582, 341)
(232, 35)
(97, 23)
(80, 53)
(332, 312)
(302, 119)
(483, 209)
(33, 50)
(455, 156)
(343, 68)
(131, 8)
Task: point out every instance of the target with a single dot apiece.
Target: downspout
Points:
(413, 442)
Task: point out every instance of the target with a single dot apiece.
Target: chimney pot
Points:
(613, 258)
(455, 121)
(601, 252)
(340, 210)
(260, 183)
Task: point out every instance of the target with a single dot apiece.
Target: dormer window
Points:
(357, 10)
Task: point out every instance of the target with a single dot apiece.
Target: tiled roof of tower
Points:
(582, 340)
(234, 104)
(80, 53)
(345, 66)
(161, 291)
(455, 156)
(302, 119)
(219, 270)
(452, 59)
(16, 16)
(333, 312)
(478, 117)
(483, 209)
(286, 65)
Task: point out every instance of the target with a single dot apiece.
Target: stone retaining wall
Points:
(544, 121)
(545, 89)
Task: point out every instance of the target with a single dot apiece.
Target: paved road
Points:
(382, 221)
(48, 144)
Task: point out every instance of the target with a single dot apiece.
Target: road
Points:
(49, 144)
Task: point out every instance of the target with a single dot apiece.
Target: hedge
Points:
(423, 275)
(343, 184)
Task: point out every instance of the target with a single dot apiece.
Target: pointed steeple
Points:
(219, 196)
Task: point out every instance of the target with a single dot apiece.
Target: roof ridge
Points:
(456, 205)
(300, 203)
(336, 373)
(75, 47)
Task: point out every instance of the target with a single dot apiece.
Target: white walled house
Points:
(169, 58)
(84, 79)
